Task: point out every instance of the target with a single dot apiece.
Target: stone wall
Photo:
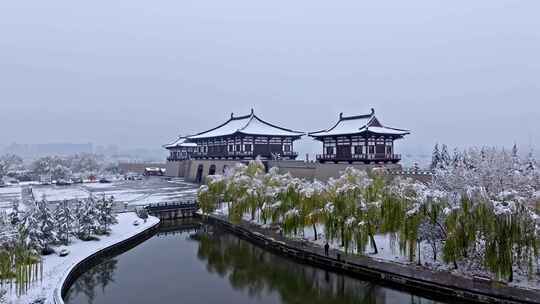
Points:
(313, 170)
(192, 168)
(300, 169)
(176, 168)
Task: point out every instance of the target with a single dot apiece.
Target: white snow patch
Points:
(56, 269)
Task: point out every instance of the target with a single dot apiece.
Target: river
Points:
(187, 262)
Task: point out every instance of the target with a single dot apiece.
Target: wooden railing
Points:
(359, 157)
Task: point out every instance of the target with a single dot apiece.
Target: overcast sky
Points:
(137, 73)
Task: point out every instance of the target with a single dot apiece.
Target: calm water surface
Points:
(190, 263)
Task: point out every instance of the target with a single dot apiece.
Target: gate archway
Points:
(212, 170)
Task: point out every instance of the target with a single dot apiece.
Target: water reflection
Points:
(259, 272)
(191, 263)
(100, 276)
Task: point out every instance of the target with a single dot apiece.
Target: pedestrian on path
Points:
(326, 248)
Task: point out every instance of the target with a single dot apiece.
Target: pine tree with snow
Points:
(47, 224)
(457, 158)
(530, 164)
(14, 216)
(105, 215)
(445, 158)
(87, 219)
(435, 158)
(64, 219)
(78, 209)
(30, 231)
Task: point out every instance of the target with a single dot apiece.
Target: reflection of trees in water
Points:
(179, 226)
(99, 276)
(254, 270)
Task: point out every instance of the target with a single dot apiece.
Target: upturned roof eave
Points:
(240, 130)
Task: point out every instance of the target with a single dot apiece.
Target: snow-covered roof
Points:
(349, 125)
(248, 125)
(181, 141)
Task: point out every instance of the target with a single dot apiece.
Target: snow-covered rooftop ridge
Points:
(248, 124)
(347, 125)
(180, 141)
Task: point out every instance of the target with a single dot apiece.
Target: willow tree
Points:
(511, 239)
(287, 210)
(209, 195)
(344, 195)
(370, 208)
(462, 226)
(312, 201)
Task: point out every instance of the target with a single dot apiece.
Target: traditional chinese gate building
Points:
(180, 149)
(360, 138)
(245, 137)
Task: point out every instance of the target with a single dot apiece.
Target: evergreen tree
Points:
(445, 158)
(64, 221)
(105, 215)
(436, 158)
(87, 219)
(456, 158)
(14, 218)
(30, 230)
(531, 162)
(47, 224)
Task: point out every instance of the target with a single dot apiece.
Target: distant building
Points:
(241, 137)
(359, 138)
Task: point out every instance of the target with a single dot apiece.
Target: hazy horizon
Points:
(137, 74)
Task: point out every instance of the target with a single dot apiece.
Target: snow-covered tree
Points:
(38, 228)
(105, 214)
(14, 216)
(60, 172)
(53, 166)
(446, 160)
(8, 233)
(64, 219)
(436, 158)
(9, 162)
(477, 208)
(457, 158)
(87, 218)
(85, 164)
(30, 230)
(489, 195)
(47, 223)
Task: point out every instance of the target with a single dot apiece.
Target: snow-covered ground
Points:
(8, 194)
(55, 268)
(58, 193)
(139, 192)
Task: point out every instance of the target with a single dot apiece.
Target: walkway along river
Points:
(189, 262)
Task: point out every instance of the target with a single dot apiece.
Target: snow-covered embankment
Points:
(57, 269)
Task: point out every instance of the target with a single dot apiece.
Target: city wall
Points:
(198, 170)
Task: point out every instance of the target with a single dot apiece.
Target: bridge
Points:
(173, 210)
